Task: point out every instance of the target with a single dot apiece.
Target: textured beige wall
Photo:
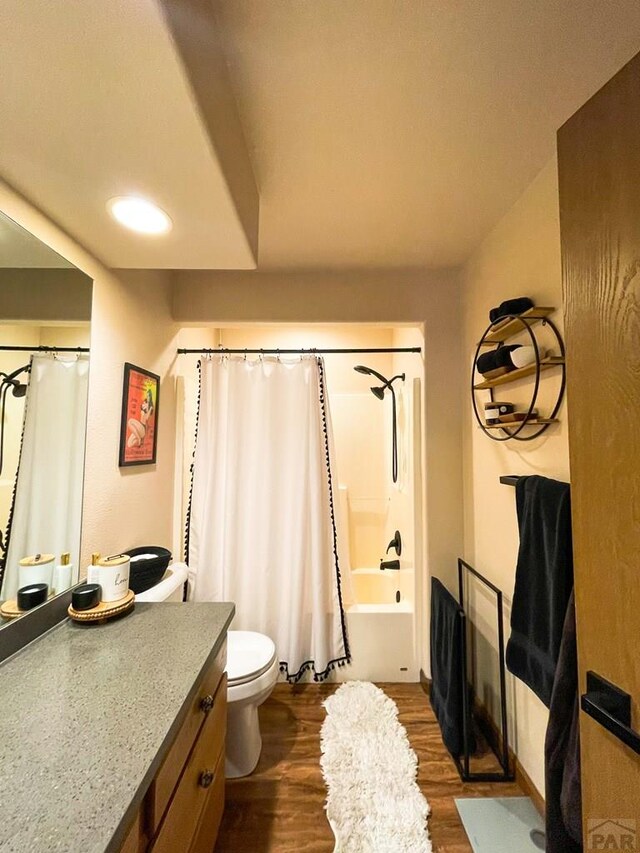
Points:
(126, 507)
(44, 295)
(430, 300)
(131, 321)
(521, 256)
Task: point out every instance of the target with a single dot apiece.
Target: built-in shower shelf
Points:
(378, 506)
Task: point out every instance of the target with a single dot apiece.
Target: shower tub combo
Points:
(380, 602)
(381, 629)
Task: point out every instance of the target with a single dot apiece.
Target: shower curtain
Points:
(261, 530)
(47, 505)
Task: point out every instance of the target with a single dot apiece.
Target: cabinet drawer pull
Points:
(206, 704)
(206, 778)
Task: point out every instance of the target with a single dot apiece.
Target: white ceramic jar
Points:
(36, 569)
(113, 577)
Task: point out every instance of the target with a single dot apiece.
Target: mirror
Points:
(45, 327)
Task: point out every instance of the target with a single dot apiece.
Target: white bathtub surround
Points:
(262, 529)
(47, 509)
(373, 801)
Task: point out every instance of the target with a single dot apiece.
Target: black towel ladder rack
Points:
(500, 749)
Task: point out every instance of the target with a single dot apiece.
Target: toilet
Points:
(252, 672)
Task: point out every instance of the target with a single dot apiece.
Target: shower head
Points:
(369, 371)
(18, 389)
(378, 391)
(386, 383)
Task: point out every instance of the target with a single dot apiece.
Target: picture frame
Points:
(139, 419)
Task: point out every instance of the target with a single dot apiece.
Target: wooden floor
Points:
(280, 807)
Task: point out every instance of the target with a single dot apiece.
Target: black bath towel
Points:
(510, 306)
(563, 800)
(500, 357)
(544, 580)
(447, 631)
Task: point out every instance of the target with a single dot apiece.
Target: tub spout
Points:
(389, 564)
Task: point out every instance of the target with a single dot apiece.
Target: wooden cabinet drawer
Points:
(212, 811)
(135, 841)
(200, 779)
(167, 778)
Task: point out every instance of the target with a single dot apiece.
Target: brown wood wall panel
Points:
(599, 177)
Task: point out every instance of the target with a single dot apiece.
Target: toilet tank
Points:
(170, 588)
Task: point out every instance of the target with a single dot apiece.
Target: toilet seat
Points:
(249, 655)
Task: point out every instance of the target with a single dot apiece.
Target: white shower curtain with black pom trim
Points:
(262, 528)
(46, 514)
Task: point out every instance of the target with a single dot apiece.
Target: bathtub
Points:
(380, 629)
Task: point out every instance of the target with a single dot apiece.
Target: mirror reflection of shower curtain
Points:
(262, 524)
(47, 509)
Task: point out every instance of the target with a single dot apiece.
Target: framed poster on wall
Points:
(139, 423)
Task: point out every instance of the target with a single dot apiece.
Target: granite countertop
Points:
(87, 714)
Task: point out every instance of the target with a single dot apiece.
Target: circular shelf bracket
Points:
(515, 431)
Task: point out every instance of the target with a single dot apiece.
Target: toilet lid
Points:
(249, 654)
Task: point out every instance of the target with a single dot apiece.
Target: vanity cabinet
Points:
(183, 806)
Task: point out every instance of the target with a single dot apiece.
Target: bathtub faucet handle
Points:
(396, 543)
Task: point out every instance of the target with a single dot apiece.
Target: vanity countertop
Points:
(87, 714)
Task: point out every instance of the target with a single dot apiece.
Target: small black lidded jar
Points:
(32, 595)
(86, 596)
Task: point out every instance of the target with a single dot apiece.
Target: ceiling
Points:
(365, 133)
(96, 102)
(398, 132)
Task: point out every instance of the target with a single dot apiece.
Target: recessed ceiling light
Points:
(138, 214)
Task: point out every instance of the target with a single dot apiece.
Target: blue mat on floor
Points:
(502, 824)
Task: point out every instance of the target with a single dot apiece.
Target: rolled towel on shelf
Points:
(510, 306)
(525, 355)
(497, 359)
(486, 362)
(503, 356)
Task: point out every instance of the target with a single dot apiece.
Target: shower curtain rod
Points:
(309, 351)
(44, 349)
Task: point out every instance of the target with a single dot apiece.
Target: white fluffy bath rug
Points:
(373, 804)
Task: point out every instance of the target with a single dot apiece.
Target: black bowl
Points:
(144, 574)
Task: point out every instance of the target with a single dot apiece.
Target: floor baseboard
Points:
(425, 682)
